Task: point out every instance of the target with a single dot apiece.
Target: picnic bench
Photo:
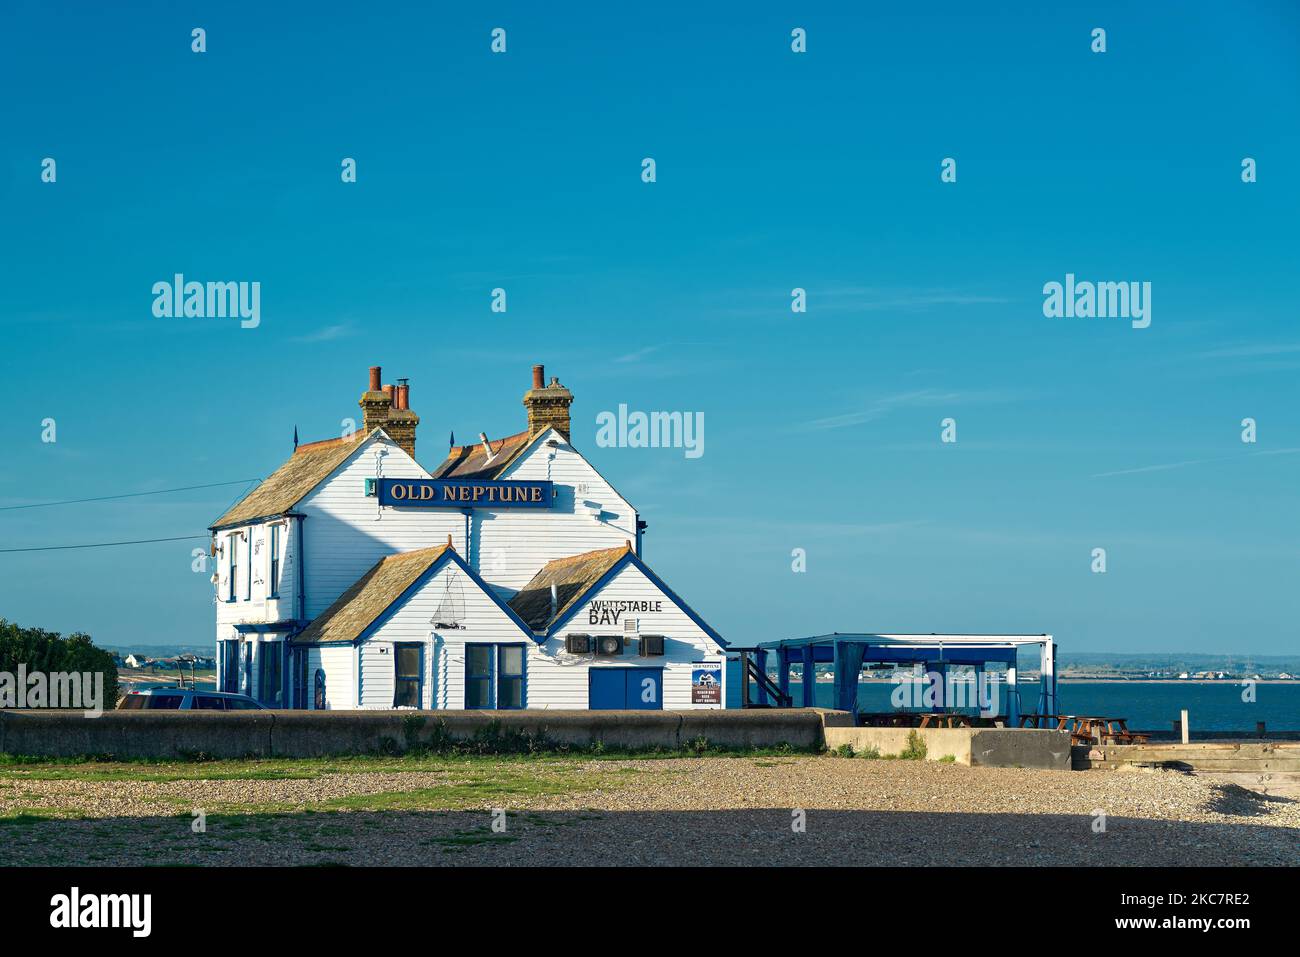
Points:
(1086, 729)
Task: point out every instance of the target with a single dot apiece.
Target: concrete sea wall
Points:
(988, 747)
(172, 734)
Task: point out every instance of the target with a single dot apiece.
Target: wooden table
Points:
(1087, 729)
(945, 719)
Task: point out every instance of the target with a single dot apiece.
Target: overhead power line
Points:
(105, 498)
(140, 541)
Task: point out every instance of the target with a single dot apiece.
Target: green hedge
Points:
(48, 651)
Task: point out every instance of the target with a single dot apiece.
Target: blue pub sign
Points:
(464, 493)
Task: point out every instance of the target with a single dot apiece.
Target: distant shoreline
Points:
(1061, 679)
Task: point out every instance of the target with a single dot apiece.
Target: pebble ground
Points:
(730, 811)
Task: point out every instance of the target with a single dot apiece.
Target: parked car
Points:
(186, 699)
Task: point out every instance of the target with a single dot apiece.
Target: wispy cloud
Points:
(872, 299)
(638, 355)
(1166, 466)
(1251, 351)
(918, 398)
(327, 333)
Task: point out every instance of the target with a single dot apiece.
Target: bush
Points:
(48, 652)
(844, 751)
(915, 750)
(870, 751)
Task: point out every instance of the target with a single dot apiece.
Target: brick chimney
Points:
(401, 420)
(547, 404)
(375, 403)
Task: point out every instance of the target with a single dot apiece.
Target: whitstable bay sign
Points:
(464, 493)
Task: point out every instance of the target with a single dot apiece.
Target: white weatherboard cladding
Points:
(338, 663)
(256, 605)
(481, 619)
(559, 680)
(510, 546)
(346, 532)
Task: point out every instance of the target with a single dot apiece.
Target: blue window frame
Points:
(232, 544)
(230, 665)
(494, 677)
(510, 676)
(273, 584)
(270, 684)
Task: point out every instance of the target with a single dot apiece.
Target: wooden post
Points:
(1184, 725)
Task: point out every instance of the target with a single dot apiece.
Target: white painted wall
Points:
(554, 679)
(345, 533)
(444, 649)
(339, 664)
(253, 602)
(559, 680)
(510, 547)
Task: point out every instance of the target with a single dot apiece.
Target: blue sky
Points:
(775, 170)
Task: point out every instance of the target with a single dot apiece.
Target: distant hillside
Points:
(163, 651)
(1175, 661)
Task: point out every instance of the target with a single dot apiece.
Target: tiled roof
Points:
(309, 465)
(471, 461)
(571, 577)
(369, 597)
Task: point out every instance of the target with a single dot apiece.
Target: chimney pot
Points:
(547, 405)
(375, 375)
(402, 397)
(388, 391)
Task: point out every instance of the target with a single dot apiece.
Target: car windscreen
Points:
(134, 702)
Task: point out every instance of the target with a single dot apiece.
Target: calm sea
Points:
(1151, 706)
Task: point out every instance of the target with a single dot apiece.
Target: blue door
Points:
(625, 689)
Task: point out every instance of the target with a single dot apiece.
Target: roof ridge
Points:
(586, 556)
(427, 550)
(499, 443)
(321, 442)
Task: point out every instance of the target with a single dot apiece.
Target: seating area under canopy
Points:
(937, 654)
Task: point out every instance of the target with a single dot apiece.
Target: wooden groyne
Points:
(1215, 757)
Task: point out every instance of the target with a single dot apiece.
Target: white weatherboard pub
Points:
(509, 576)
